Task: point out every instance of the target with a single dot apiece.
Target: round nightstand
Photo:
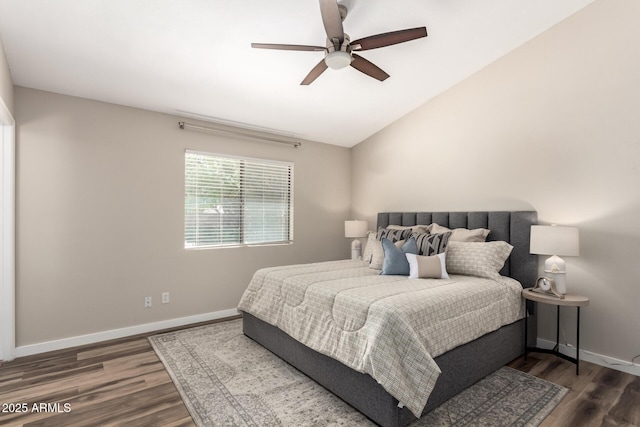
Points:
(568, 301)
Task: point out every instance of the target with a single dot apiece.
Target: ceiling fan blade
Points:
(287, 47)
(368, 68)
(314, 73)
(332, 20)
(388, 39)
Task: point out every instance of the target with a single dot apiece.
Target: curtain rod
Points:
(241, 132)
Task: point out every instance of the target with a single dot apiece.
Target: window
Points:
(231, 201)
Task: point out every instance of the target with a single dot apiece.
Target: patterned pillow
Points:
(431, 244)
(392, 234)
(414, 228)
(480, 259)
(395, 261)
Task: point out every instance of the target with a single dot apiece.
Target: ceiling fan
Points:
(339, 51)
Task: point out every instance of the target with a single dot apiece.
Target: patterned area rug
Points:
(226, 379)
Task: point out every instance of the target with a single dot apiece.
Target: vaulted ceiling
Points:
(193, 58)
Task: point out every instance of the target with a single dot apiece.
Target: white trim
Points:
(598, 359)
(7, 234)
(28, 350)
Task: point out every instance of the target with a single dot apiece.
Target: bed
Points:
(458, 362)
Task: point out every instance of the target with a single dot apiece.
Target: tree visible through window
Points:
(237, 201)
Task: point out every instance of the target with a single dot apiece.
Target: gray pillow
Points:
(395, 261)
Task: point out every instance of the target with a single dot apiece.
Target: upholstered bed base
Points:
(461, 367)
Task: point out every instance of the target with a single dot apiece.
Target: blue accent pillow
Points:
(395, 262)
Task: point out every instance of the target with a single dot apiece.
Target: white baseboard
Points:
(598, 359)
(28, 350)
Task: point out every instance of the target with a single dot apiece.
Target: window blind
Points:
(232, 201)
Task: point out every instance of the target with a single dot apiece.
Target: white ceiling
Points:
(193, 58)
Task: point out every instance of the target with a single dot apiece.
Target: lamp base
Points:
(556, 269)
(356, 249)
(561, 280)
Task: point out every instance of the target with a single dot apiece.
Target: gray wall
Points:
(100, 217)
(552, 126)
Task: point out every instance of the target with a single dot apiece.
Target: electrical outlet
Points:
(165, 297)
(147, 302)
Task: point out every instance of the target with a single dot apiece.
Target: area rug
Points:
(226, 379)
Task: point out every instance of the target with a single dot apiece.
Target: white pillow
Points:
(462, 234)
(427, 267)
(368, 248)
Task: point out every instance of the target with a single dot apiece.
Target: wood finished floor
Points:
(122, 382)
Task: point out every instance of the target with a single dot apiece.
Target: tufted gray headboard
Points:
(512, 227)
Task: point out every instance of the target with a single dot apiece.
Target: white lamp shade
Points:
(555, 240)
(355, 228)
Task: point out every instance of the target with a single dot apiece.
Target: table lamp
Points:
(555, 241)
(355, 229)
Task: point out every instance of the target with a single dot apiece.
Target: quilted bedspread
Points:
(389, 327)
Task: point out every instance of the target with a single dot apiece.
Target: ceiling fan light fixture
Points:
(339, 51)
(338, 59)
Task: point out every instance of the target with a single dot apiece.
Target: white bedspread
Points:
(389, 327)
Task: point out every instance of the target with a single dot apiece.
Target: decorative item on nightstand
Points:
(547, 285)
(356, 229)
(555, 240)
